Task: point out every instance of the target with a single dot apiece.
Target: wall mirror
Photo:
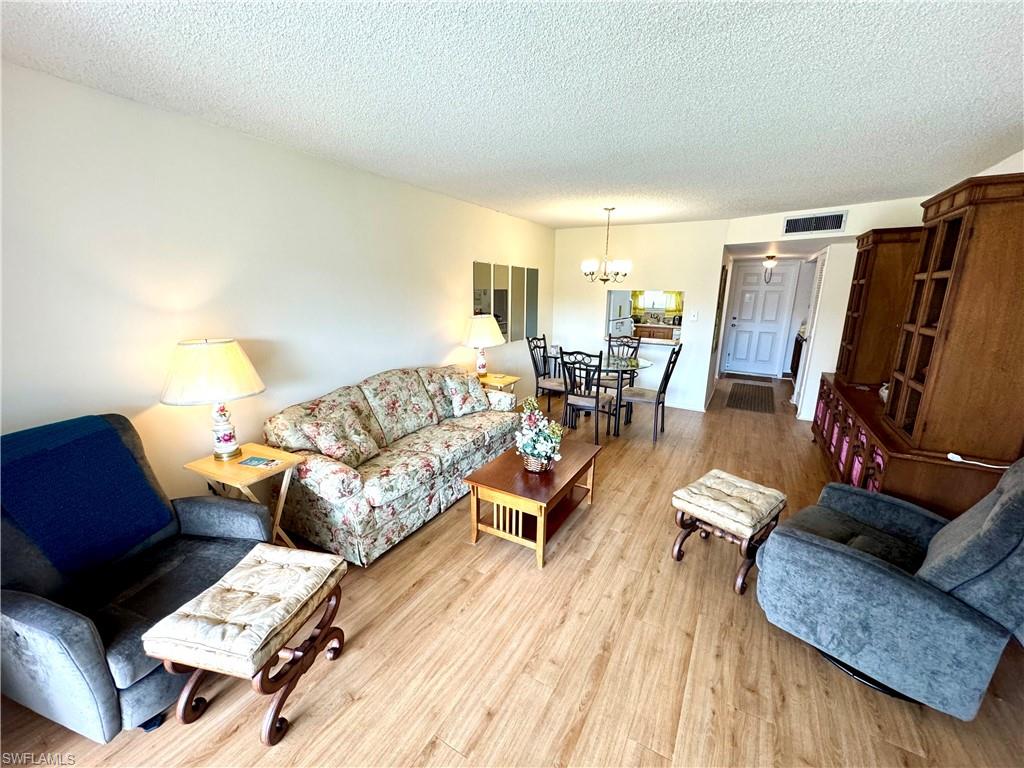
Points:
(481, 288)
(511, 294)
(500, 293)
(647, 314)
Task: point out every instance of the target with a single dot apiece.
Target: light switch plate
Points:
(694, 316)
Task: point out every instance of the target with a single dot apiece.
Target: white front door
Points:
(757, 318)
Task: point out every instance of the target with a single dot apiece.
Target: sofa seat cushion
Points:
(241, 622)
(399, 401)
(496, 426)
(736, 505)
(447, 442)
(126, 599)
(396, 472)
(835, 526)
(433, 381)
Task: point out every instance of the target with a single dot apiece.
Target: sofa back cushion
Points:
(75, 496)
(399, 401)
(433, 381)
(341, 437)
(467, 394)
(979, 556)
(285, 429)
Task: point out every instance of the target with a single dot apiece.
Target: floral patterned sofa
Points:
(399, 455)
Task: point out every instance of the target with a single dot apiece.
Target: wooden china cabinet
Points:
(881, 278)
(956, 377)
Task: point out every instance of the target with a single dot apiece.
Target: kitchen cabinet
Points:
(646, 331)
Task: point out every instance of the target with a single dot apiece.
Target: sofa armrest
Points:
(887, 513)
(330, 479)
(501, 401)
(879, 619)
(218, 517)
(54, 663)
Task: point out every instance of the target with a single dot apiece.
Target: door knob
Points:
(732, 325)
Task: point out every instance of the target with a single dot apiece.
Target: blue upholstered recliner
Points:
(920, 604)
(93, 554)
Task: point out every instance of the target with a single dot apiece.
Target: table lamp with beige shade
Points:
(483, 331)
(212, 372)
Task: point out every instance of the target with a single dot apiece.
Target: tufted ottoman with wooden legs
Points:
(730, 508)
(240, 627)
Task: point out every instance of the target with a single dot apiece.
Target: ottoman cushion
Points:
(731, 503)
(243, 620)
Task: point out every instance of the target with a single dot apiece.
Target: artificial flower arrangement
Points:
(538, 438)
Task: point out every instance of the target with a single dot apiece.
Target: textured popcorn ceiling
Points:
(671, 112)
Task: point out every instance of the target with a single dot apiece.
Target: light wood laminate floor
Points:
(612, 655)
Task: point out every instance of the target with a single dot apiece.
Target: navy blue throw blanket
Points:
(75, 489)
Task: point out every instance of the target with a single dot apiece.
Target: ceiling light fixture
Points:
(614, 271)
(769, 265)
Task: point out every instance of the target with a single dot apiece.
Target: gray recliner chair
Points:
(920, 604)
(93, 554)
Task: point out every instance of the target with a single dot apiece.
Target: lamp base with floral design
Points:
(225, 443)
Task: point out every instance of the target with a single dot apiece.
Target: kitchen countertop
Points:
(657, 342)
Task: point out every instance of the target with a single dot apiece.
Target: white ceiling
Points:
(671, 112)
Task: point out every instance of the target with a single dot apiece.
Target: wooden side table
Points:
(233, 474)
(499, 381)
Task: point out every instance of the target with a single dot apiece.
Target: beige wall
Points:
(902, 212)
(672, 257)
(128, 228)
(822, 350)
(1012, 164)
(688, 257)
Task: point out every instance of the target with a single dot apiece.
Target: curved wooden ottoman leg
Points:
(274, 726)
(689, 526)
(749, 551)
(190, 707)
(297, 661)
(741, 575)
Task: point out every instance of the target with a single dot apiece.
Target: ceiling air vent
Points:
(815, 222)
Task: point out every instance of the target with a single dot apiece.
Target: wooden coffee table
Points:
(528, 507)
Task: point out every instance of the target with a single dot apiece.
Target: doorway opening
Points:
(758, 316)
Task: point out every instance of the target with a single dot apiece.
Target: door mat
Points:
(751, 397)
(748, 377)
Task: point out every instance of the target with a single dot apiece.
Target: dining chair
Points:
(656, 397)
(623, 347)
(546, 384)
(581, 375)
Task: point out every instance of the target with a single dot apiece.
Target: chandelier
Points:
(614, 271)
(769, 265)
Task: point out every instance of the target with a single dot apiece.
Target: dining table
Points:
(621, 367)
